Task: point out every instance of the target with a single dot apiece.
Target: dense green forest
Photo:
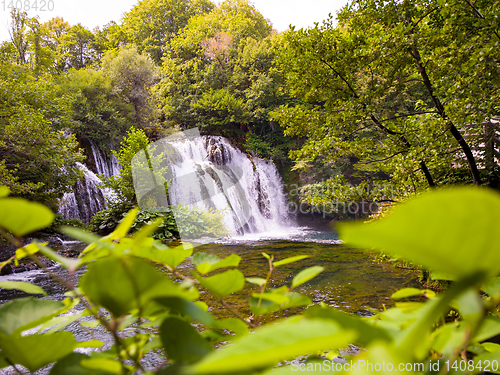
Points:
(384, 102)
(388, 92)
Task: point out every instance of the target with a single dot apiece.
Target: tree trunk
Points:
(476, 178)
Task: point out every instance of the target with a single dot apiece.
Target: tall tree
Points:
(217, 74)
(387, 96)
(54, 31)
(133, 75)
(77, 47)
(152, 23)
(37, 156)
(19, 34)
(98, 112)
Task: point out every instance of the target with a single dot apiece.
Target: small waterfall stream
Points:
(105, 165)
(87, 198)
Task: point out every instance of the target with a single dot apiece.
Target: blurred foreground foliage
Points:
(136, 289)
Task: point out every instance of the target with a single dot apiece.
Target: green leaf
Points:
(492, 287)
(223, 284)
(205, 267)
(71, 364)
(200, 258)
(414, 338)
(306, 275)
(290, 260)
(162, 254)
(26, 313)
(277, 298)
(4, 191)
(265, 255)
(21, 217)
(146, 231)
(123, 228)
(37, 351)
(412, 292)
(24, 286)
(366, 332)
(187, 308)
(90, 324)
(130, 284)
(256, 280)
(58, 323)
(27, 250)
(455, 231)
(232, 324)
(489, 328)
(271, 344)
(182, 342)
(261, 307)
(490, 358)
(105, 365)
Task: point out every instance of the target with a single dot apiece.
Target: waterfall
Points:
(210, 173)
(107, 166)
(207, 172)
(85, 200)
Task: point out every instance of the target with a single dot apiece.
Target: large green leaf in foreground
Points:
(454, 231)
(271, 344)
(21, 217)
(124, 284)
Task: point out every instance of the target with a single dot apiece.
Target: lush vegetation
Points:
(408, 102)
(148, 302)
(391, 99)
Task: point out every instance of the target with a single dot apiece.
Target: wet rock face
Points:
(89, 199)
(217, 153)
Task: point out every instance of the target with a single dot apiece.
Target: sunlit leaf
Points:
(306, 275)
(27, 250)
(256, 280)
(492, 287)
(71, 364)
(206, 266)
(412, 292)
(271, 344)
(161, 254)
(4, 191)
(22, 285)
(26, 313)
(102, 365)
(21, 217)
(37, 351)
(182, 342)
(367, 332)
(455, 231)
(123, 228)
(232, 324)
(290, 260)
(130, 283)
(223, 284)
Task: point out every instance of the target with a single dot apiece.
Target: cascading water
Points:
(87, 198)
(105, 165)
(208, 172)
